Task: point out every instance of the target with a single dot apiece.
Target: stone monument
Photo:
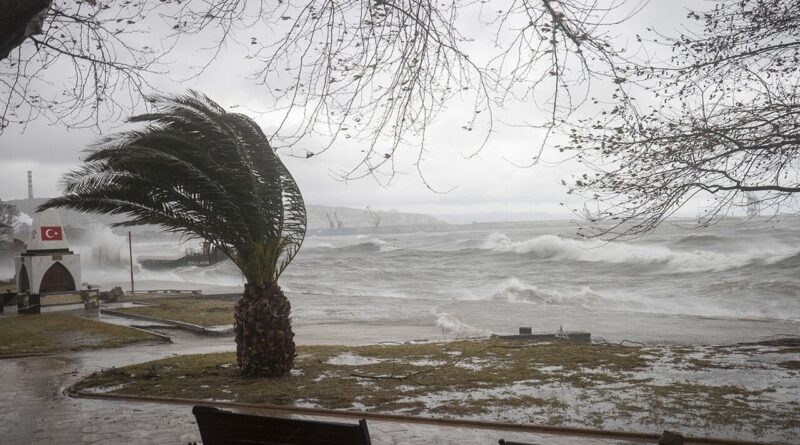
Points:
(47, 266)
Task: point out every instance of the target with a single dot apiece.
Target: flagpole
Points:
(130, 253)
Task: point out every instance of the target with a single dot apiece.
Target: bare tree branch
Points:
(723, 125)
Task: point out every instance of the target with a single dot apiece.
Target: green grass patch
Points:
(200, 311)
(59, 332)
(791, 364)
(397, 378)
(584, 385)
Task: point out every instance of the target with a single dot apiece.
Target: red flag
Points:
(52, 233)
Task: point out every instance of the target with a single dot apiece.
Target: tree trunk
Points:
(264, 337)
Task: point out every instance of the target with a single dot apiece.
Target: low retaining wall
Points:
(566, 337)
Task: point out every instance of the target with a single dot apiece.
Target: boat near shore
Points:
(208, 255)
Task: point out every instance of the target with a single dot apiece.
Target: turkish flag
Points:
(52, 233)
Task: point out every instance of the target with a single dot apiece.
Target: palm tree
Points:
(199, 171)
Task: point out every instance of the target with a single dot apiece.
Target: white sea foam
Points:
(383, 246)
(104, 249)
(22, 220)
(515, 290)
(350, 359)
(224, 273)
(457, 328)
(720, 272)
(370, 243)
(105, 259)
(518, 291)
(559, 248)
(315, 243)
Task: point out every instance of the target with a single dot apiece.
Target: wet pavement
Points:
(34, 408)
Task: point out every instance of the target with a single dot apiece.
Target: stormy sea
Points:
(735, 281)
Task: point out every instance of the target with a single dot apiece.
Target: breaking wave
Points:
(514, 290)
(518, 291)
(22, 220)
(558, 248)
(105, 249)
(791, 262)
(458, 328)
(312, 243)
(701, 240)
(359, 243)
(370, 245)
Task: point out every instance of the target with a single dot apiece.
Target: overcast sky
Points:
(485, 183)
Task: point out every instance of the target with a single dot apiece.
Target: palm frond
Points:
(199, 171)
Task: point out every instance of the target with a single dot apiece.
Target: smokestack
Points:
(30, 186)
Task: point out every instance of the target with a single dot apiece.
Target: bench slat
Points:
(218, 427)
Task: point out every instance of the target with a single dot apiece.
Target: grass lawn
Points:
(59, 332)
(200, 311)
(581, 385)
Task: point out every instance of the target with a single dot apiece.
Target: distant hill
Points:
(68, 217)
(317, 216)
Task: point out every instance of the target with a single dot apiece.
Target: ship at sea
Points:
(207, 255)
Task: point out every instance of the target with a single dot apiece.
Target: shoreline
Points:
(370, 318)
(333, 319)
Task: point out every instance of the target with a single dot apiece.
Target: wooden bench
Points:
(218, 427)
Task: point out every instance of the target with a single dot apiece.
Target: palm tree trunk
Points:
(264, 336)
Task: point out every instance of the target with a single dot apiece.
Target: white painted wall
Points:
(38, 265)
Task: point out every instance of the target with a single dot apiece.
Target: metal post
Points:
(130, 253)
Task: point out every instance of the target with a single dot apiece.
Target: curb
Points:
(163, 337)
(33, 354)
(481, 424)
(180, 324)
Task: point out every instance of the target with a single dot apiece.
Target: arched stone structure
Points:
(57, 279)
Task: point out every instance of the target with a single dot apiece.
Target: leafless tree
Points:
(385, 70)
(719, 122)
(93, 60)
(378, 71)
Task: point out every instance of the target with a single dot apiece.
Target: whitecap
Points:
(559, 248)
(459, 329)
